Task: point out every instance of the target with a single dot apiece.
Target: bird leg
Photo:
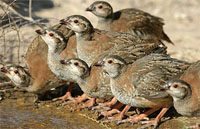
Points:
(89, 104)
(106, 106)
(115, 110)
(120, 116)
(82, 98)
(156, 121)
(67, 95)
(143, 116)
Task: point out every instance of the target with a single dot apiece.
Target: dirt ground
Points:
(181, 19)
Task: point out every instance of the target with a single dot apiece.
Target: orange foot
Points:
(143, 116)
(83, 98)
(67, 95)
(120, 116)
(91, 103)
(105, 106)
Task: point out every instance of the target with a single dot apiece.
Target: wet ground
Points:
(18, 111)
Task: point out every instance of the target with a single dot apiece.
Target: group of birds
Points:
(124, 58)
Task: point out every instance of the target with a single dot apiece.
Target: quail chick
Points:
(131, 20)
(18, 75)
(93, 43)
(139, 84)
(36, 59)
(186, 91)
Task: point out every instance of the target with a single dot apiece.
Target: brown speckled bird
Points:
(139, 84)
(186, 91)
(36, 59)
(92, 43)
(131, 20)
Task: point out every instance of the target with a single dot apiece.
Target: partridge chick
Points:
(139, 84)
(131, 20)
(186, 91)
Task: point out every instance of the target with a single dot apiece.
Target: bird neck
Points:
(120, 72)
(186, 97)
(104, 23)
(53, 55)
(55, 66)
(84, 35)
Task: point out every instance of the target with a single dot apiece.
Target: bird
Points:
(185, 91)
(36, 60)
(139, 84)
(131, 20)
(18, 75)
(93, 43)
(97, 78)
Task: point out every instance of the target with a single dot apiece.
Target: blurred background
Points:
(181, 17)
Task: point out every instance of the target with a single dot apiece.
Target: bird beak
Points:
(40, 32)
(4, 70)
(99, 63)
(166, 86)
(89, 9)
(65, 62)
(63, 22)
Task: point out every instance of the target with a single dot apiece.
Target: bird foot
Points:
(116, 119)
(90, 104)
(77, 100)
(110, 113)
(65, 97)
(101, 108)
(149, 123)
(134, 119)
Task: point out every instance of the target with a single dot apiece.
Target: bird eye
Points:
(100, 7)
(16, 71)
(76, 63)
(51, 34)
(110, 62)
(62, 61)
(175, 86)
(75, 21)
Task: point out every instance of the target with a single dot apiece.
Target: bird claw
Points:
(112, 119)
(128, 120)
(65, 97)
(132, 120)
(110, 113)
(101, 108)
(88, 105)
(148, 123)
